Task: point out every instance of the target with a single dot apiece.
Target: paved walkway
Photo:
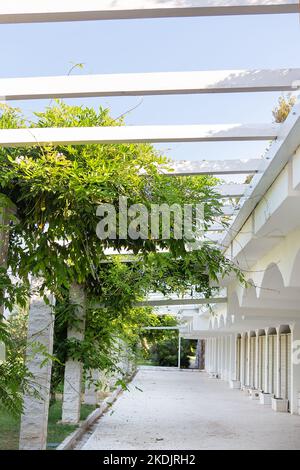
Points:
(171, 409)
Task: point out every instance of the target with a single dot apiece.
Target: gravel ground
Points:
(171, 409)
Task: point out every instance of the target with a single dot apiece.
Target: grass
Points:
(9, 431)
(10, 427)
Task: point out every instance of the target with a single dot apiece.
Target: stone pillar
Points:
(34, 420)
(91, 393)
(73, 368)
(278, 363)
(266, 390)
(256, 370)
(295, 369)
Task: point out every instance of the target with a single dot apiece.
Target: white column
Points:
(248, 359)
(267, 361)
(224, 357)
(34, 420)
(228, 365)
(295, 369)
(256, 364)
(211, 355)
(215, 349)
(219, 355)
(243, 359)
(179, 351)
(233, 358)
(73, 368)
(278, 354)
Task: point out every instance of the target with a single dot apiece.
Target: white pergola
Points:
(190, 82)
(263, 169)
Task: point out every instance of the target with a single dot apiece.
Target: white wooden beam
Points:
(136, 134)
(230, 210)
(136, 84)
(167, 302)
(217, 228)
(161, 327)
(231, 190)
(31, 11)
(214, 167)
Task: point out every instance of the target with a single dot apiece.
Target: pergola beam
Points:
(137, 84)
(160, 328)
(231, 190)
(214, 167)
(229, 211)
(33, 11)
(170, 302)
(137, 134)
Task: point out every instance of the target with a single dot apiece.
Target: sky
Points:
(154, 45)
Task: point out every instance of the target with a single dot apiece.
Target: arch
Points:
(284, 329)
(249, 296)
(221, 321)
(272, 283)
(213, 322)
(233, 305)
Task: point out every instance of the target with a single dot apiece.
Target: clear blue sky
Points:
(267, 41)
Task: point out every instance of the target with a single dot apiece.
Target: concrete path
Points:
(171, 409)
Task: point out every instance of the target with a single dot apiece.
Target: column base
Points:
(213, 375)
(236, 384)
(254, 394)
(245, 389)
(280, 405)
(266, 398)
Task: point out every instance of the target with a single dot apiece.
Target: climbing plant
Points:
(57, 189)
